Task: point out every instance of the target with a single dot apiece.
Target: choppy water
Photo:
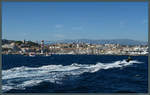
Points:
(74, 74)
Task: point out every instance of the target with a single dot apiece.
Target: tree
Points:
(18, 42)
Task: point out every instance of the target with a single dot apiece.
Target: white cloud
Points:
(145, 21)
(77, 28)
(122, 24)
(59, 35)
(59, 26)
(25, 34)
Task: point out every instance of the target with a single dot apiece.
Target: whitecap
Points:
(29, 76)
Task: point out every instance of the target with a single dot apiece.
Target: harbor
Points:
(30, 48)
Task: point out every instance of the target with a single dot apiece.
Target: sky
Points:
(74, 20)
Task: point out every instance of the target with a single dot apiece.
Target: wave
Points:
(22, 77)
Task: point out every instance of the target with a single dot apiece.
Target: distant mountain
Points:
(113, 41)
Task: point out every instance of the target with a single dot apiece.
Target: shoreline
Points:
(84, 54)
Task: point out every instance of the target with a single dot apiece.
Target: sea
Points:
(74, 74)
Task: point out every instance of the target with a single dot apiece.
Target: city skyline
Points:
(80, 20)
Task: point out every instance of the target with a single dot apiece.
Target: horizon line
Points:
(77, 39)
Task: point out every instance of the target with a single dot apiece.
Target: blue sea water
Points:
(74, 74)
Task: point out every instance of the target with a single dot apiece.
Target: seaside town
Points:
(30, 48)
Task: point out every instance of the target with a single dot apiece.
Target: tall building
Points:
(42, 46)
(24, 41)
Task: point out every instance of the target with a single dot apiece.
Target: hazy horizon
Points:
(75, 20)
(75, 39)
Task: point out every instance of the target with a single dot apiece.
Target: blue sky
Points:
(74, 20)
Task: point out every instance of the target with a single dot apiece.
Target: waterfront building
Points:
(24, 41)
(42, 46)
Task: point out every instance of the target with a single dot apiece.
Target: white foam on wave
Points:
(27, 76)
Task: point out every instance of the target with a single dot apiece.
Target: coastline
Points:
(82, 54)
